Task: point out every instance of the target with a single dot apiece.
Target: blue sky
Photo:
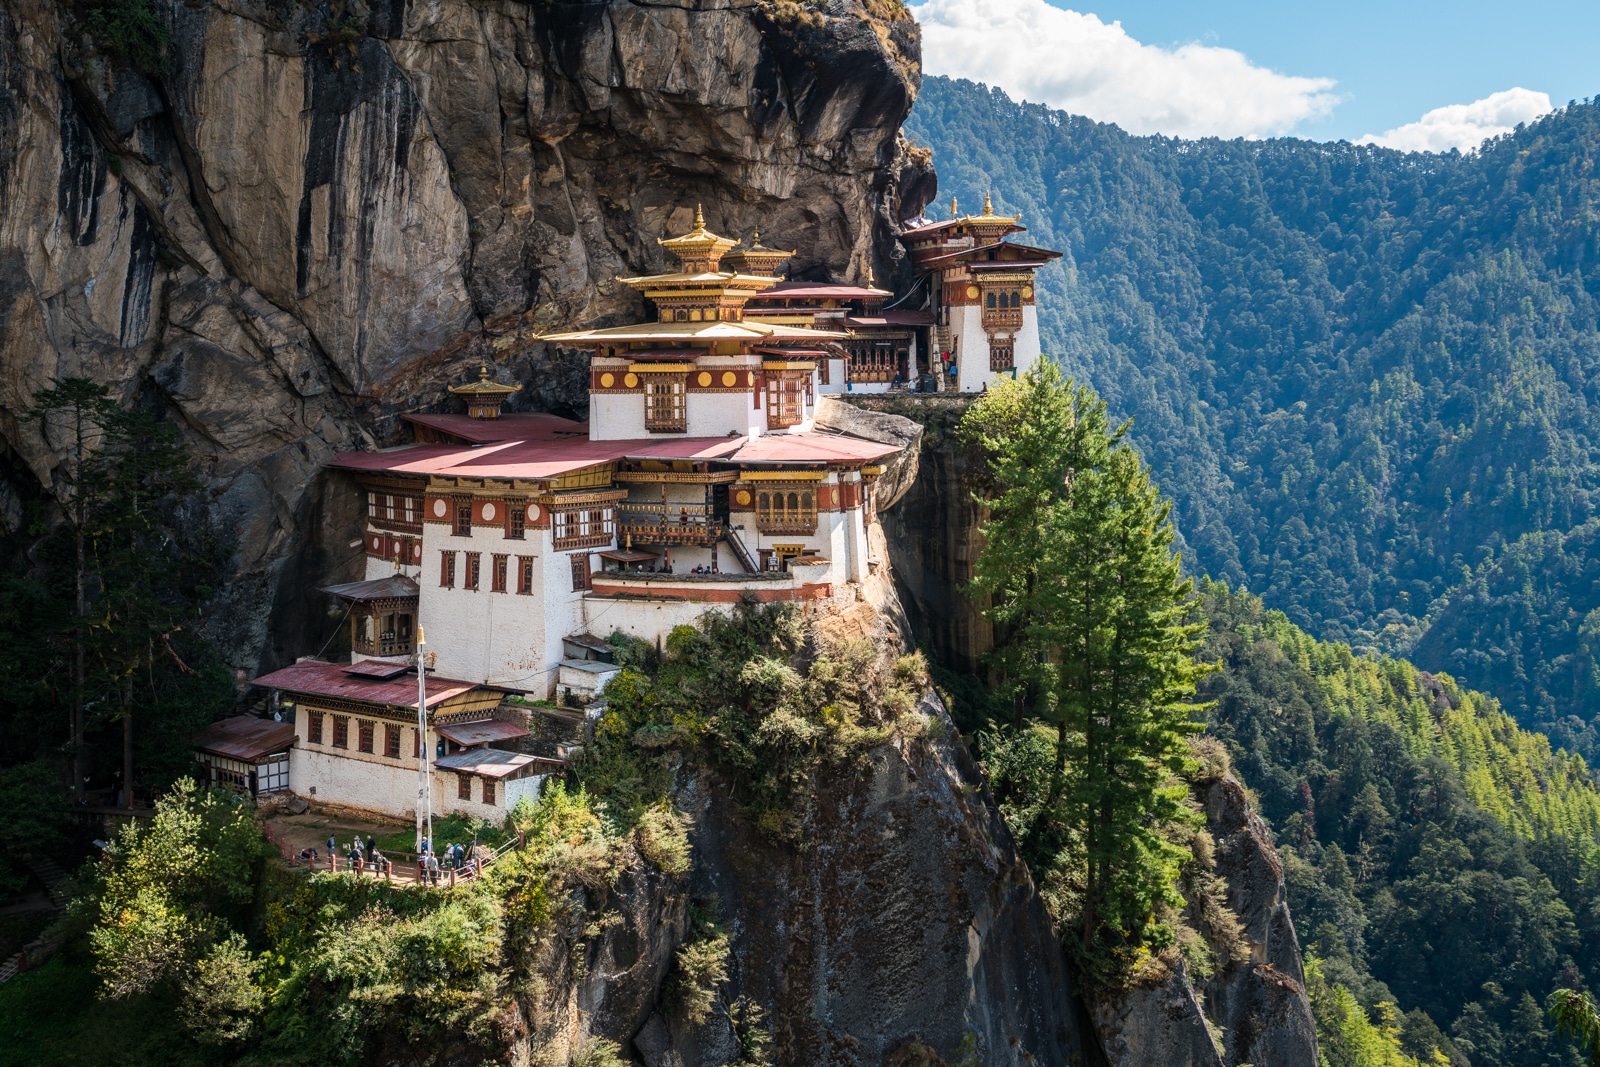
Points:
(1255, 69)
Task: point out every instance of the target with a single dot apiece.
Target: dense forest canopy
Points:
(1368, 378)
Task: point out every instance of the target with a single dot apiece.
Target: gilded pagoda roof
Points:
(698, 242)
(693, 331)
(485, 385)
(704, 280)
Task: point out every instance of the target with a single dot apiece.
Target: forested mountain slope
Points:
(1438, 858)
(1364, 375)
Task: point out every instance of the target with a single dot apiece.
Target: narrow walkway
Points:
(40, 948)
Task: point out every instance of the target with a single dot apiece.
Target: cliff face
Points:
(907, 931)
(316, 213)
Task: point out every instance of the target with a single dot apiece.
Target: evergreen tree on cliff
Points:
(1079, 568)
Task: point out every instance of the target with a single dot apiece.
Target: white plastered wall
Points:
(482, 636)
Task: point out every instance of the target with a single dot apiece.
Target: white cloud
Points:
(1077, 63)
(1465, 126)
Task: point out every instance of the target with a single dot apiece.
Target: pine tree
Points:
(1078, 563)
(123, 474)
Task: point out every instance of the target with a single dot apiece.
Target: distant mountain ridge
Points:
(1362, 374)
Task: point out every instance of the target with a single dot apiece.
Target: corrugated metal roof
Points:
(317, 678)
(495, 763)
(524, 426)
(482, 732)
(245, 738)
(392, 586)
(530, 459)
(811, 448)
(377, 668)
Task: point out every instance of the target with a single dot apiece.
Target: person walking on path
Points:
(372, 848)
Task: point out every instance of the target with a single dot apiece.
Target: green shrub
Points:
(131, 30)
(702, 967)
(662, 837)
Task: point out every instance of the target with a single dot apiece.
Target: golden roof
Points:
(485, 386)
(692, 331)
(757, 258)
(698, 243)
(707, 280)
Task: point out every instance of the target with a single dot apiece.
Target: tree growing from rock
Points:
(1079, 567)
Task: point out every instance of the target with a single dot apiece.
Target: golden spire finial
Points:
(756, 238)
(483, 371)
(872, 282)
(952, 207)
(988, 205)
(699, 218)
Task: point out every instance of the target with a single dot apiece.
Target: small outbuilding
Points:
(246, 754)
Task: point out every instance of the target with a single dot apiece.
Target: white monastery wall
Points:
(617, 417)
(1026, 351)
(715, 414)
(390, 786)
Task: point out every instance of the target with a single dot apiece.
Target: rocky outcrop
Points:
(1156, 1026)
(908, 918)
(933, 532)
(1260, 1004)
(314, 214)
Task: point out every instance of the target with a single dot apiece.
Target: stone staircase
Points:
(56, 882)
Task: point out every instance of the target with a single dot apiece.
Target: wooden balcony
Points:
(669, 524)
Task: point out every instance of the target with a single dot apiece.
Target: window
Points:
(525, 575)
(447, 570)
(462, 527)
(989, 301)
(583, 528)
(516, 519)
(314, 728)
(665, 396)
(783, 402)
(341, 731)
(580, 572)
(1002, 356)
(497, 575)
(790, 509)
(365, 730)
(474, 565)
(488, 790)
(391, 740)
(463, 787)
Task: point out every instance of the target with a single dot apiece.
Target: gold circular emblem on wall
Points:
(972, 292)
(439, 508)
(704, 379)
(630, 380)
(728, 378)
(607, 381)
(488, 512)
(744, 496)
(1027, 292)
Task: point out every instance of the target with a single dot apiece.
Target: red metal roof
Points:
(812, 448)
(482, 732)
(245, 738)
(318, 678)
(394, 586)
(527, 426)
(546, 459)
(497, 763)
(818, 291)
(908, 318)
(529, 459)
(1031, 254)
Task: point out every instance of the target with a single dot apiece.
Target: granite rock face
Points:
(1260, 1004)
(909, 920)
(316, 214)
